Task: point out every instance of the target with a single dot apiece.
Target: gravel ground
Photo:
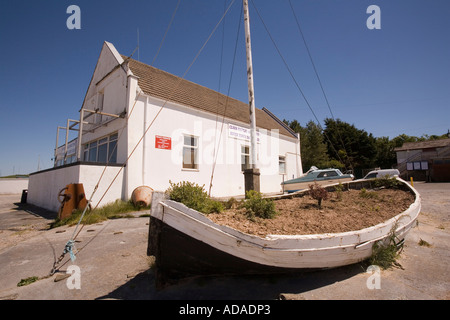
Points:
(114, 264)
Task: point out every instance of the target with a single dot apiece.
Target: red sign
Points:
(163, 142)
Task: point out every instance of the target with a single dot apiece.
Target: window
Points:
(190, 152)
(327, 174)
(245, 157)
(93, 151)
(282, 165)
(103, 150)
(112, 148)
(86, 152)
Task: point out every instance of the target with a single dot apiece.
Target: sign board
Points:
(417, 165)
(163, 143)
(238, 132)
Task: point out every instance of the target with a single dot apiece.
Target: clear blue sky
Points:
(389, 81)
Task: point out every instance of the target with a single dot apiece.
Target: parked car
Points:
(321, 176)
(382, 173)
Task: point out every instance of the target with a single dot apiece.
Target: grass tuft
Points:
(27, 281)
(113, 210)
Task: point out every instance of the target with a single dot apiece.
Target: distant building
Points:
(425, 160)
(163, 128)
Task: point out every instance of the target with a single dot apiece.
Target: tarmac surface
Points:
(113, 263)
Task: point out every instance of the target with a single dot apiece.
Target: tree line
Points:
(341, 145)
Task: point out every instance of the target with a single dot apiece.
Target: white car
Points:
(382, 173)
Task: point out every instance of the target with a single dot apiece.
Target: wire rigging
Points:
(293, 77)
(216, 152)
(315, 70)
(167, 31)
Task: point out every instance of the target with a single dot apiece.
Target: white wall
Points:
(44, 186)
(155, 167)
(13, 186)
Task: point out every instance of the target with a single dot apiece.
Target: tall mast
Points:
(251, 175)
(251, 95)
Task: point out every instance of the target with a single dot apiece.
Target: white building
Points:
(142, 126)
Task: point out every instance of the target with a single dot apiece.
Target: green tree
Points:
(312, 147)
(355, 147)
(386, 156)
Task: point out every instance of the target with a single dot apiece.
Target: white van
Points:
(382, 173)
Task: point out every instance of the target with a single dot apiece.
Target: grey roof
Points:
(166, 86)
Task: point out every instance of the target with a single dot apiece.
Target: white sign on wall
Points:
(238, 132)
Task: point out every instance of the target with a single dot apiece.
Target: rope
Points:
(167, 30)
(293, 78)
(70, 244)
(226, 106)
(315, 71)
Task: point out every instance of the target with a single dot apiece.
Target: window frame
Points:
(192, 147)
(282, 160)
(109, 141)
(245, 157)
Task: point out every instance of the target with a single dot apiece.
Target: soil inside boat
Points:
(354, 210)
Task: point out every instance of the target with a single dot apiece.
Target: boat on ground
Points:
(187, 243)
(323, 177)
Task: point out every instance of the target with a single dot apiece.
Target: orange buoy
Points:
(142, 196)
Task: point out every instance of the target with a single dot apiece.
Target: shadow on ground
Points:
(35, 211)
(255, 287)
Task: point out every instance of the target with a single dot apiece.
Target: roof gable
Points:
(108, 60)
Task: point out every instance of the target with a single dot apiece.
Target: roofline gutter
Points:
(284, 125)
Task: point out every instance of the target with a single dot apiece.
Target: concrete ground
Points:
(113, 263)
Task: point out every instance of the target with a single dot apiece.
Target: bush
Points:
(339, 189)
(318, 193)
(193, 196)
(256, 206)
(363, 193)
(387, 182)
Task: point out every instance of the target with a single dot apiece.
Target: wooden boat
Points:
(186, 243)
(321, 176)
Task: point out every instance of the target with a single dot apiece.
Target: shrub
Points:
(193, 196)
(256, 206)
(385, 254)
(318, 193)
(363, 193)
(386, 181)
(339, 189)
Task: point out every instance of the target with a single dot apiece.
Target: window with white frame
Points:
(190, 152)
(245, 157)
(282, 165)
(103, 150)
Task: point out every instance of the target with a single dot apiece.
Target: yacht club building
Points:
(140, 126)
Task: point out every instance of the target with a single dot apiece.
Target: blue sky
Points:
(388, 81)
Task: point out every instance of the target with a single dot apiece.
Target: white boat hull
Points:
(285, 251)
